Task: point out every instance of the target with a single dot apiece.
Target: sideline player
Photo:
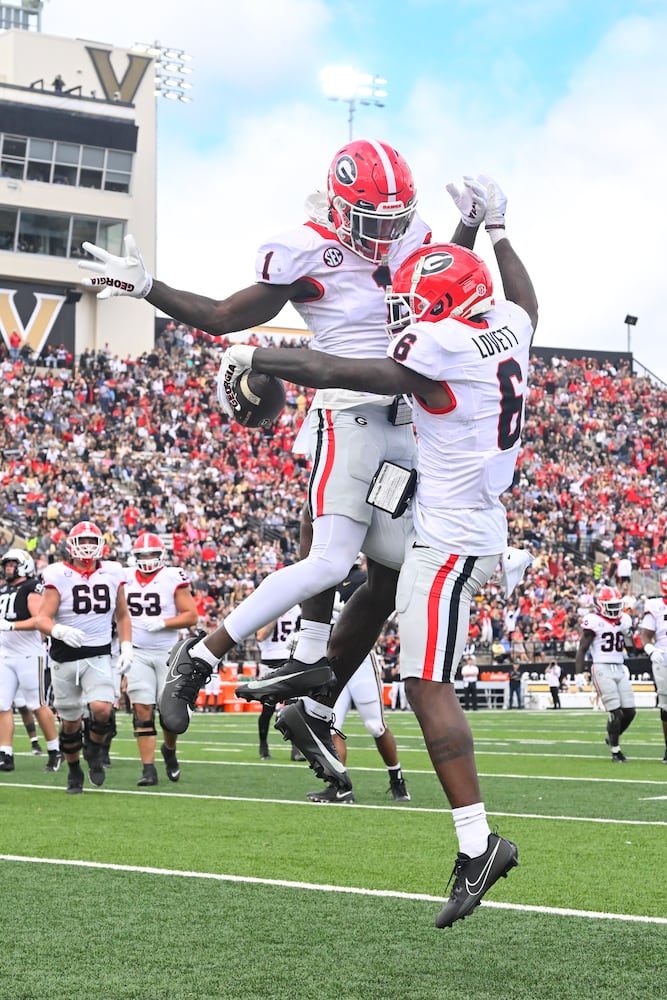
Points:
(81, 599)
(275, 642)
(604, 632)
(160, 601)
(465, 359)
(653, 635)
(334, 270)
(22, 657)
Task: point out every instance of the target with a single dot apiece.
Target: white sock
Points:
(317, 709)
(312, 641)
(7, 750)
(202, 652)
(472, 829)
(53, 744)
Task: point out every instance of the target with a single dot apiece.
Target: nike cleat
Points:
(93, 755)
(6, 761)
(618, 757)
(171, 762)
(332, 796)
(473, 877)
(185, 678)
(293, 680)
(36, 748)
(399, 790)
(148, 776)
(75, 780)
(313, 738)
(54, 762)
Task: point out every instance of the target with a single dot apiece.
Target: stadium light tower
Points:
(342, 83)
(171, 70)
(630, 321)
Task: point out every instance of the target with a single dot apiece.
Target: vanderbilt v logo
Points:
(129, 85)
(36, 331)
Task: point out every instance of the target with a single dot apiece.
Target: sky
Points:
(562, 101)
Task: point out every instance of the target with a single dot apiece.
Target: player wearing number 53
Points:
(160, 602)
(82, 598)
(464, 358)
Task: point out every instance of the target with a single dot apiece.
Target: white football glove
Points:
(126, 657)
(155, 625)
(118, 275)
(6, 626)
(73, 637)
(229, 373)
(496, 203)
(658, 656)
(470, 199)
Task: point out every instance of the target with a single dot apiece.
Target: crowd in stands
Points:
(140, 443)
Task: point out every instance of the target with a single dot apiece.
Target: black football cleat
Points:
(170, 762)
(36, 748)
(296, 754)
(399, 790)
(6, 761)
(293, 679)
(313, 738)
(264, 751)
(473, 877)
(93, 754)
(75, 779)
(54, 762)
(186, 676)
(149, 776)
(332, 796)
(618, 757)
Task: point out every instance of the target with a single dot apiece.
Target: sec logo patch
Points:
(333, 257)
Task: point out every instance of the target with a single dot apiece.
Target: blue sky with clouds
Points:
(562, 101)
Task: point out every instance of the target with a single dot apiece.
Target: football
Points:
(262, 399)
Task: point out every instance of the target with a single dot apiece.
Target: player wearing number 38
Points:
(464, 358)
(82, 598)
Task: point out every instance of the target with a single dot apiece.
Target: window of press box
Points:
(56, 235)
(51, 162)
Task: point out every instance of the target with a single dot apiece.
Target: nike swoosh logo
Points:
(340, 795)
(335, 763)
(268, 682)
(477, 887)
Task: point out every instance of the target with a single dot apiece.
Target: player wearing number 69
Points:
(160, 602)
(464, 357)
(82, 598)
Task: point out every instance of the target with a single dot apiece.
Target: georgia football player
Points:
(604, 633)
(160, 602)
(83, 596)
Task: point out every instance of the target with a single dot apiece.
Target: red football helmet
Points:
(663, 584)
(436, 281)
(609, 602)
(149, 551)
(372, 197)
(85, 541)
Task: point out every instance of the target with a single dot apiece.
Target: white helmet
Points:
(25, 564)
(149, 552)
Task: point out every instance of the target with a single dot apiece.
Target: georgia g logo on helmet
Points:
(345, 170)
(435, 263)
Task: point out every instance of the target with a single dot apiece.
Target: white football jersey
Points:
(153, 597)
(655, 620)
(467, 453)
(277, 646)
(87, 602)
(348, 315)
(608, 646)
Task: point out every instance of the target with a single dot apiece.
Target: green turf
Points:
(591, 838)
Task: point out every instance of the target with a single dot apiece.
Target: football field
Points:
(229, 884)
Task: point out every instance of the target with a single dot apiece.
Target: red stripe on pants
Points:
(326, 472)
(433, 615)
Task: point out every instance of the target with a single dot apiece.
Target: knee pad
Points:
(144, 727)
(104, 729)
(70, 742)
(663, 714)
(628, 715)
(376, 729)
